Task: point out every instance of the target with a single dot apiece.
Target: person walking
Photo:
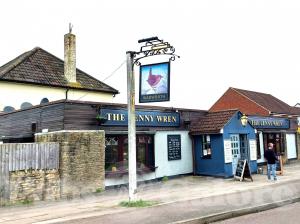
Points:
(271, 161)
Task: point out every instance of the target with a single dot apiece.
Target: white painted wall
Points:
(164, 167)
(175, 167)
(14, 94)
(262, 151)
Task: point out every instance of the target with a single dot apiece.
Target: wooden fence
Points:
(25, 156)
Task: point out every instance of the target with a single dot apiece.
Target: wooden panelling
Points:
(19, 124)
(75, 115)
(25, 156)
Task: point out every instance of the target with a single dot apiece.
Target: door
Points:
(235, 147)
(244, 149)
(291, 146)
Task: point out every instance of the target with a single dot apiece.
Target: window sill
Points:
(120, 173)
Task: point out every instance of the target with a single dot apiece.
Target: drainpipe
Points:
(67, 93)
(194, 157)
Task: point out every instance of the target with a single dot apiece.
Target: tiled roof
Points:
(212, 123)
(267, 101)
(295, 110)
(40, 67)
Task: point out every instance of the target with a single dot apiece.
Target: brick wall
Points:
(233, 100)
(82, 160)
(34, 185)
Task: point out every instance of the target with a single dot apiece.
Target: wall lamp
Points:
(101, 119)
(244, 120)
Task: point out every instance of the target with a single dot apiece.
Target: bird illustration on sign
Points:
(154, 79)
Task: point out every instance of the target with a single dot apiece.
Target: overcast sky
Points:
(253, 45)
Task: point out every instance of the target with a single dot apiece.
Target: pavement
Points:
(186, 199)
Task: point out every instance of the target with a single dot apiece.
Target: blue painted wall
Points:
(234, 126)
(216, 165)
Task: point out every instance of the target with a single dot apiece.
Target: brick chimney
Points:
(70, 56)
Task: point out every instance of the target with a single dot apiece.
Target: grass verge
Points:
(138, 204)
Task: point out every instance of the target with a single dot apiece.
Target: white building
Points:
(37, 77)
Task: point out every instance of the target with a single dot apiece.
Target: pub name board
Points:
(269, 122)
(143, 118)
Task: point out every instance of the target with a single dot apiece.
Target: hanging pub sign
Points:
(155, 83)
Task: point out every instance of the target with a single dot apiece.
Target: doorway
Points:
(235, 148)
(244, 147)
(277, 140)
(240, 149)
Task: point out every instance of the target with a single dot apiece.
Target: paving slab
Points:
(181, 191)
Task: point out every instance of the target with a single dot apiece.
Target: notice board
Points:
(174, 147)
(253, 149)
(227, 151)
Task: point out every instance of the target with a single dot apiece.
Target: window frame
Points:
(206, 146)
(122, 139)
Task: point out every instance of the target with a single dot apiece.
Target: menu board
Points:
(242, 170)
(174, 147)
(227, 151)
(253, 150)
(279, 165)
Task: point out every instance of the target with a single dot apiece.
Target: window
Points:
(145, 152)
(111, 153)
(277, 139)
(116, 153)
(235, 145)
(206, 147)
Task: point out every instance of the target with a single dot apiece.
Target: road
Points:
(193, 209)
(286, 214)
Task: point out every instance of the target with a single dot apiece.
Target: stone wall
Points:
(82, 160)
(34, 185)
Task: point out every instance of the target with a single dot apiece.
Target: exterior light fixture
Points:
(101, 119)
(244, 120)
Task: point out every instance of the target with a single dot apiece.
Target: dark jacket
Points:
(270, 156)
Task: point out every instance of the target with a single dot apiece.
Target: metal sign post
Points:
(152, 46)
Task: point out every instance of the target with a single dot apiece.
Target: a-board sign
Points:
(174, 147)
(242, 170)
(279, 167)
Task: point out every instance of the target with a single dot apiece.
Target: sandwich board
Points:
(242, 170)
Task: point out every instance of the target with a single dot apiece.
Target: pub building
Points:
(279, 131)
(274, 120)
(220, 140)
(163, 143)
(70, 100)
